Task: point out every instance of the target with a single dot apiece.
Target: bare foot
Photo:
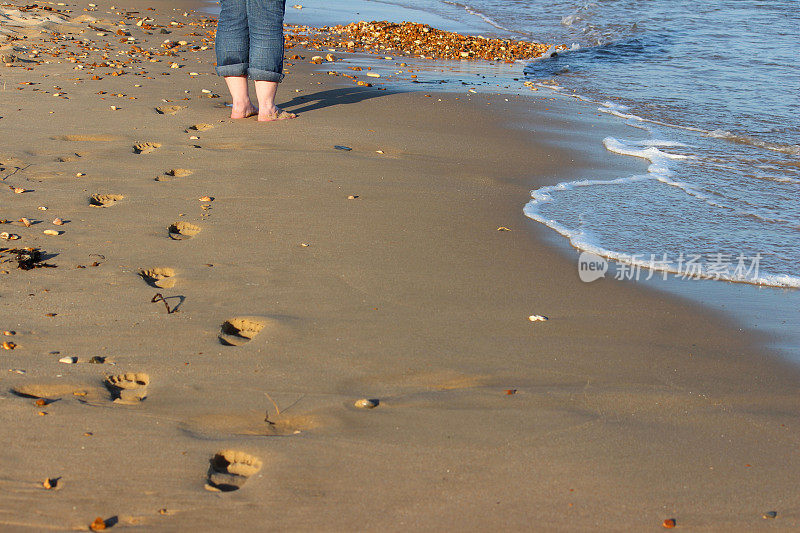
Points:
(276, 113)
(243, 112)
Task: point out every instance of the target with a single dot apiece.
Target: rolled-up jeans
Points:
(249, 39)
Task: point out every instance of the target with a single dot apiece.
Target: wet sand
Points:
(309, 277)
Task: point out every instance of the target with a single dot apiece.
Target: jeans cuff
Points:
(264, 75)
(237, 69)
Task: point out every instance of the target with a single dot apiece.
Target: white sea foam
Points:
(485, 18)
(581, 239)
(653, 150)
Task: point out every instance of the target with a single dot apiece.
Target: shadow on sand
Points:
(332, 97)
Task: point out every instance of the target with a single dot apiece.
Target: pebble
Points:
(52, 232)
(537, 318)
(373, 75)
(365, 403)
(770, 514)
(68, 360)
(341, 147)
(58, 222)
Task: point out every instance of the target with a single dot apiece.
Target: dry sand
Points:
(630, 407)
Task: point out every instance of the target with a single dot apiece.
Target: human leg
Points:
(267, 110)
(232, 47)
(266, 54)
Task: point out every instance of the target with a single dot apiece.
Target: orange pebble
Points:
(669, 523)
(98, 525)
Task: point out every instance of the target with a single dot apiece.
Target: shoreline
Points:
(759, 308)
(407, 293)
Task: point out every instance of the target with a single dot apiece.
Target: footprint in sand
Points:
(174, 173)
(104, 200)
(51, 392)
(87, 138)
(183, 230)
(145, 147)
(200, 127)
(241, 330)
(160, 277)
(230, 469)
(251, 424)
(69, 158)
(169, 109)
(130, 388)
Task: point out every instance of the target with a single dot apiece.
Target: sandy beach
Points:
(298, 278)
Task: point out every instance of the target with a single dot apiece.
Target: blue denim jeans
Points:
(249, 39)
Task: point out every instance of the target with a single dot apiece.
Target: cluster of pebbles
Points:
(413, 39)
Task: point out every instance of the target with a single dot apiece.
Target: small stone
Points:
(50, 483)
(340, 147)
(97, 360)
(366, 403)
(373, 75)
(669, 523)
(58, 222)
(98, 525)
(330, 57)
(316, 60)
(8, 345)
(537, 318)
(770, 514)
(41, 402)
(52, 232)
(352, 197)
(68, 360)
(25, 222)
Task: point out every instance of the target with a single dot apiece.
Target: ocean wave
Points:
(582, 240)
(790, 149)
(485, 18)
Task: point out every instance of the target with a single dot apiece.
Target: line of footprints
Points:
(228, 469)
